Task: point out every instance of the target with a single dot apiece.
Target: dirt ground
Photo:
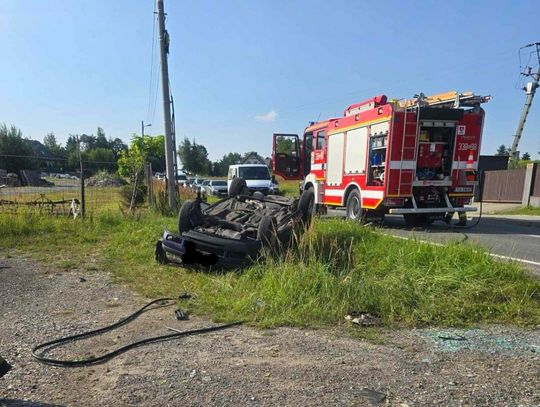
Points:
(495, 366)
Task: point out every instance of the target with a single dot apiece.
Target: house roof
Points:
(43, 152)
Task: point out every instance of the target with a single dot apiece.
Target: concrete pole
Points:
(170, 148)
(530, 90)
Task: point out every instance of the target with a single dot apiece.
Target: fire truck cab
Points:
(416, 157)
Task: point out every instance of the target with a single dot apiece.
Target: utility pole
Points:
(170, 148)
(143, 126)
(530, 90)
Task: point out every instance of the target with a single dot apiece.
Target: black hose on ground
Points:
(45, 347)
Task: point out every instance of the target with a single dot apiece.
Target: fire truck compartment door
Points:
(335, 159)
(355, 151)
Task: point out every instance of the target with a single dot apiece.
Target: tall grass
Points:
(336, 267)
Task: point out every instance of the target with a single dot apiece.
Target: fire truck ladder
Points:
(451, 99)
(406, 140)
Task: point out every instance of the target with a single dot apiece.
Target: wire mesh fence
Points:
(55, 186)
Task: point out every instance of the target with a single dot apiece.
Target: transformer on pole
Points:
(530, 90)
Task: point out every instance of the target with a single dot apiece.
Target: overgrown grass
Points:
(336, 267)
(524, 210)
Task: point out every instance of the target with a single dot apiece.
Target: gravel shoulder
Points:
(494, 366)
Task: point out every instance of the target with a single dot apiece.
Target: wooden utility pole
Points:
(170, 148)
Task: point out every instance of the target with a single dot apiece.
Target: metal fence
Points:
(504, 185)
(536, 182)
(58, 187)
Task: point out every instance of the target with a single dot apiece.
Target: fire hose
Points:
(39, 351)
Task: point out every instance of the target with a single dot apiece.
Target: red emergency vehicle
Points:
(416, 157)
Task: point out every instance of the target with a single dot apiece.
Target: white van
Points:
(257, 177)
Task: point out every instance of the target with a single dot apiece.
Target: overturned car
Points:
(233, 231)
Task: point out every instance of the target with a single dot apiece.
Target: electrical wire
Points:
(47, 346)
(152, 63)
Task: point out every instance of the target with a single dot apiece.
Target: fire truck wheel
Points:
(306, 205)
(417, 220)
(354, 206)
(238, 187)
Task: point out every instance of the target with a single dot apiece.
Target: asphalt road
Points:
(515, 237)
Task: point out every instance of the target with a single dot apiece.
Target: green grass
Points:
(289, 188)
(337, 267)
(524, 210)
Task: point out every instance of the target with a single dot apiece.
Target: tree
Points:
(221, 167)
(526, 156)
(71, 152)
(101, 140)
(117, 145)
(13, 144)
(100, 158)
(502, 150)
(141, 150)
(52, 145)
(284, 145)
(194, 157)
(88, 142)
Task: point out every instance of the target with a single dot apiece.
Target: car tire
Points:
(161, 256)
(267, 231)
(306, 205)
(238, 187)
(354, 206)
(184, 216)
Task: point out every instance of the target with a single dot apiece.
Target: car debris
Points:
(363, 318)
(233, 231)
(4, 366)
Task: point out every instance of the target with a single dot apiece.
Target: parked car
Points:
(198, 182)
(217, 188)
(232, 232)
(181, 179)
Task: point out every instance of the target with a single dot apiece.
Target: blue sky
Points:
(241, 70)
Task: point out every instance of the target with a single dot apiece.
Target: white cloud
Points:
(267, 117)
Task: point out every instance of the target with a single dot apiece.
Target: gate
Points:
(504, 186)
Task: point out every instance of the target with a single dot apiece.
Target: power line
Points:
(152, 63)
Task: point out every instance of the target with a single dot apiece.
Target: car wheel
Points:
(161, 257)
(267, 231)
(306, 205)
(354, 206)
(238, 187)
(184, 216)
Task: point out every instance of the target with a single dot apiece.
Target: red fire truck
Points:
(416, 157)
